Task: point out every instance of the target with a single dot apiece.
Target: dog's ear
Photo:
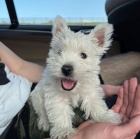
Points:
(101, 37)
(59, 25)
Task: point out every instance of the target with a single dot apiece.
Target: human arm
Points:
(33, 72)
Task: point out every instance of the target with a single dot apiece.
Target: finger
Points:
(131, 96)
(116, 108)
(125, 99)
(136, 108)
(110, 89)
(129, 129)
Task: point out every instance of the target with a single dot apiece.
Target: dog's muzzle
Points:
(66, 83)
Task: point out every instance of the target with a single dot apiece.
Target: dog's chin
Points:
(68, 84)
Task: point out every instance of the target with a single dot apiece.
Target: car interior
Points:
(32, 42)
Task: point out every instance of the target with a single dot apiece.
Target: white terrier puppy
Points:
(70, 80)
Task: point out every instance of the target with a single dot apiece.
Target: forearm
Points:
(33, 72)
(9, 58)
(17, 65)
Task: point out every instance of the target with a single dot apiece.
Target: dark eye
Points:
(59, 52)
(83, 55)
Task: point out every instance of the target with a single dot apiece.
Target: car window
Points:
(4, 16)
(75, 12)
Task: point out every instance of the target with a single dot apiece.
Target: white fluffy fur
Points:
(53, 104)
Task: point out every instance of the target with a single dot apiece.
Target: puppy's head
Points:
(74, 57)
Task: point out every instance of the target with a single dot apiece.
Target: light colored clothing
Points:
(14, 92)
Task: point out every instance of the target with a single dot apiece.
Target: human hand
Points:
(128, 106)
(128, 101)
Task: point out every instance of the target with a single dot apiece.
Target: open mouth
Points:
(68, 84)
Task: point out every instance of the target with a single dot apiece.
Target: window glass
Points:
(75, 12)
(4, 16)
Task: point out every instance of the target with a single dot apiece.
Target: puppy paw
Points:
(112, 117)
(43, 124)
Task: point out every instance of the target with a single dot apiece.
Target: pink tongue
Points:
(67, 84)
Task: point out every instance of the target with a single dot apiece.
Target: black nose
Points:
(67, 70)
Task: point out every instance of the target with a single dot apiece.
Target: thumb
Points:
(129, 129)
(85, 124)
